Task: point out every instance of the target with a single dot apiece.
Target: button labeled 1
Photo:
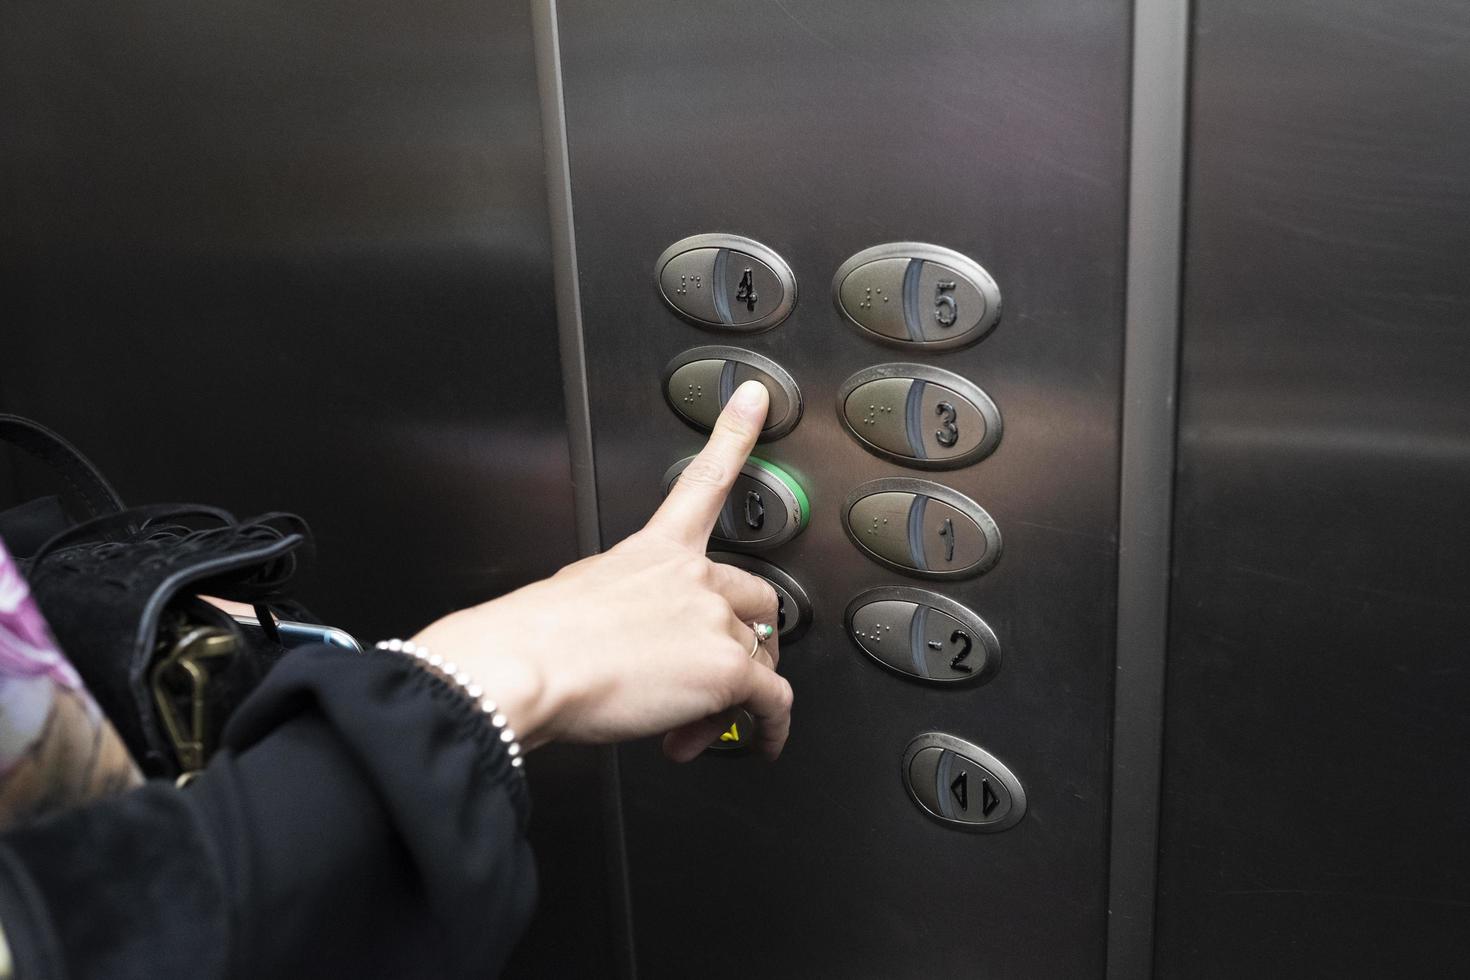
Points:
(765, 508)
(698, 383)
(726, 281)
(961, 785)
(919, 416)
(921, 528)
(924, 635)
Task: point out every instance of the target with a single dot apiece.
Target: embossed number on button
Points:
(766, 507)
(921, 528)
(919, 416)
(918, 295)
(924, 635)
(727, 282)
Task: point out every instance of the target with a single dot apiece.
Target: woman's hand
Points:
(649, 637)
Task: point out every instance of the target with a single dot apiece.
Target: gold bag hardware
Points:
(182, 676)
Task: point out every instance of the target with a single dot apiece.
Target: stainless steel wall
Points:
(820, 129)
(296, 256)
(1314, 797)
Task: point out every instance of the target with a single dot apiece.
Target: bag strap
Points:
(89, 488)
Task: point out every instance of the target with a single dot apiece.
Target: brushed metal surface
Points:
(1314, 799)
(820, 129)
(295, 255)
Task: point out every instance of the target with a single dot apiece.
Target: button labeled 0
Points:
(919, 416)
(916, 294)
(726, 282)
(924, 635)
(921, 528)
(766, 506)
(698, 383)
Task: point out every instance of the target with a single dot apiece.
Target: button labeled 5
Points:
(919, 295)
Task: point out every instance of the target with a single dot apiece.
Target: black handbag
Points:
(120, 588)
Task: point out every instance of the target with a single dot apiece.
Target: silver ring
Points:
(763, 632)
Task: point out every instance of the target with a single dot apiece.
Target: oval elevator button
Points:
(727, 282)
(919, 416)
(765, 508)
(698, 383)
(793, 608)
(916, 294)
(921, 528)
(923, 635)
(961, 785)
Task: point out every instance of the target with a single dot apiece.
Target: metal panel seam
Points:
(1159, 97)
(579, 416)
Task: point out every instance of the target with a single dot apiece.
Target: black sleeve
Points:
(361, 820)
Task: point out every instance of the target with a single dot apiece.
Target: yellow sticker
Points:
(733, 735)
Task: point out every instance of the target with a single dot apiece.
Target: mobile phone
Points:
(295, 634)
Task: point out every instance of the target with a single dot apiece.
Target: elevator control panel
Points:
(726, 282)
(793, 608)
(698, 383)
(765, 508)
(909, 294)
(919, 416)
(924, 635)
(921, 528)
(961, 785)
(919, 295)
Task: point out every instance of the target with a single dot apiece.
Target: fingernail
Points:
(749, 397)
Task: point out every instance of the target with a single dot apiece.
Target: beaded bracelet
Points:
(461, 680)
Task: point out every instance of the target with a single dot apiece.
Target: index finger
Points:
(689, 512)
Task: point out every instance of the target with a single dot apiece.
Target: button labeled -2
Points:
(727, 282)
(919, 416)
(766, 506)
(924, 635)
(698, 383)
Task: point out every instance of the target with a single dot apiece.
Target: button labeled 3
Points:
(793, 608)
(961, 785)
(924, 635)
(921, 528)
(765, 508)
(919, 295)
(726, 281)
(698, 383)
(919, 416)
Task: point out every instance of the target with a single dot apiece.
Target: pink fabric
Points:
(56, 748)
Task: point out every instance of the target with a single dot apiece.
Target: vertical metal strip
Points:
(579, 416)
(1160, 80)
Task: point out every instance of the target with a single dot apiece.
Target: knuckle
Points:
(731, 668)
(711, 608)
(785, 697)
(703, 472)
(693, 568)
